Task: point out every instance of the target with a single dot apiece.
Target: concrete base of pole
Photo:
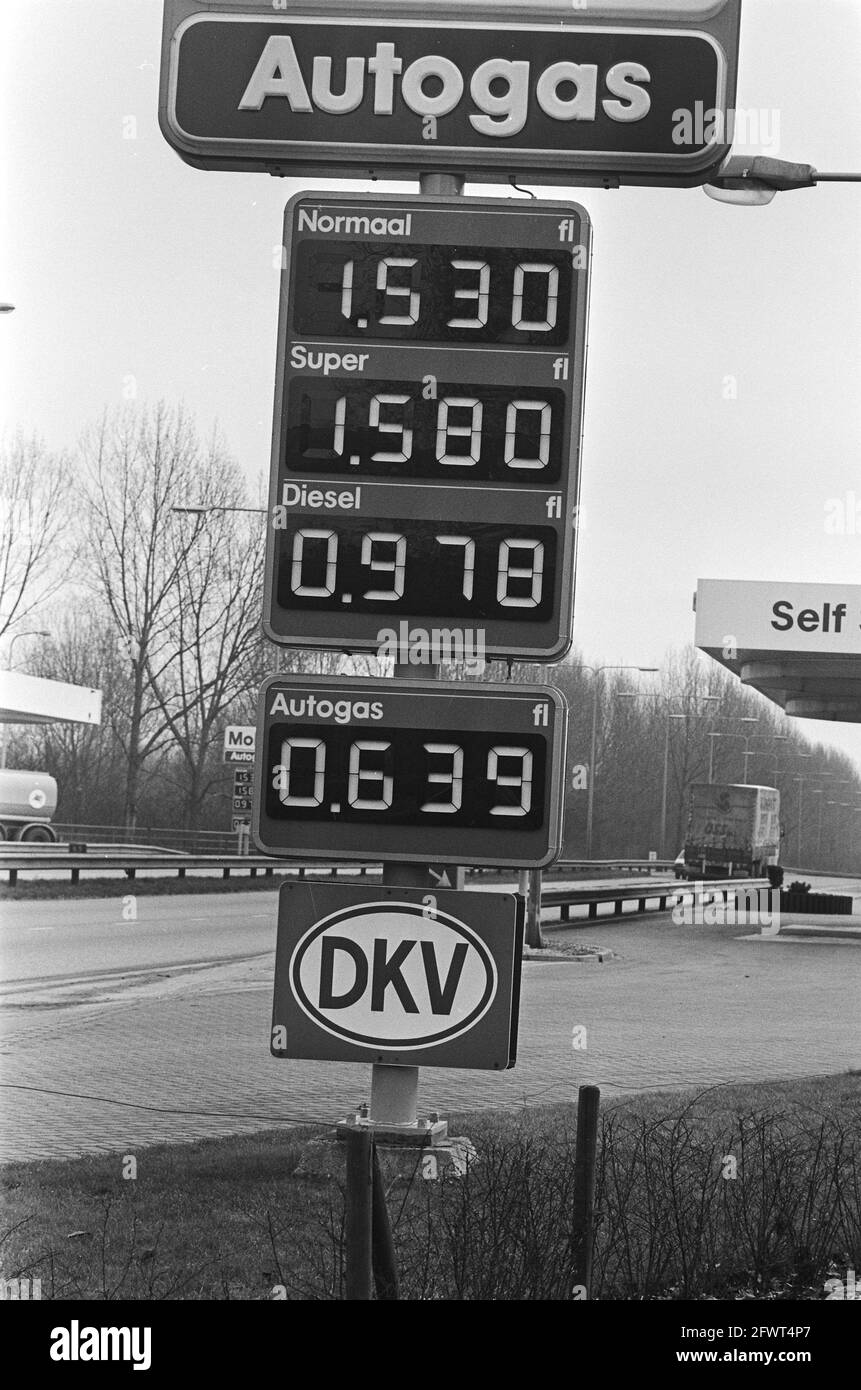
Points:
(324, 1160)
(419, 1135)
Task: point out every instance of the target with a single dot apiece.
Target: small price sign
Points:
(410, 770)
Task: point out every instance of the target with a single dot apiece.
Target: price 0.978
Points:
(478, 570)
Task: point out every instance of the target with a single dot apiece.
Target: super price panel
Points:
(428, 405)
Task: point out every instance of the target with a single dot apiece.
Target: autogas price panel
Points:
(409, 770)
(425, 466)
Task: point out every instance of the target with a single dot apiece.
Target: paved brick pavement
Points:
(679, 1006)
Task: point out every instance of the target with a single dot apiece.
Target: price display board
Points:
(410, 770)
(426, 444)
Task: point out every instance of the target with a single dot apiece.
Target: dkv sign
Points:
(397, 975)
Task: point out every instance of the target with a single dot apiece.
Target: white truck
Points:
(28, 800)
(733, 831)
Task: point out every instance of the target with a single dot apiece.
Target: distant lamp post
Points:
(716, 733)
(640, 695)
(752, 753)
(205, 510)
(30, 632)
(593, 747)
(7, 308)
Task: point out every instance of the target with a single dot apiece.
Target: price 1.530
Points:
(465, 570)
(422, 293)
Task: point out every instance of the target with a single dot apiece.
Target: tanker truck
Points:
(733, 831)
(28, 800)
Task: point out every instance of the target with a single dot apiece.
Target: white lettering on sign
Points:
(309, 707)
(353, 224)
(386, 975)
(500, 89)
(327, 362)
(300, 495)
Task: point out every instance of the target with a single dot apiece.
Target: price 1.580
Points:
(466, 433)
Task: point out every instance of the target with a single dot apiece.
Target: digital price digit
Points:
(479, 570)
(421, 292)
(469, 432)
(472, 778)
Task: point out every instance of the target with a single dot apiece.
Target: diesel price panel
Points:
(425, 464)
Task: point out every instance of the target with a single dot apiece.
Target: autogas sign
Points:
(239, 743)
(397, 975)
(418, 771)
(576, 94)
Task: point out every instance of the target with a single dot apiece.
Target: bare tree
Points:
(34, 528)
(215, 630)
(137, 466)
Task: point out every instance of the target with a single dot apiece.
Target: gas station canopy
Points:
(797, 644)
(32, 700)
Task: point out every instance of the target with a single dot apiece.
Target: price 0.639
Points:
(383, 775)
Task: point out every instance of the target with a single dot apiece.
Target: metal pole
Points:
(711, 759)
(593, 752)
(533, 909)
(394, 1090)
(664, 792)
(585, 1156)
(382, 1245)
(800, 781)
(358, 1215)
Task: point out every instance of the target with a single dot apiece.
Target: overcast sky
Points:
(124, 263)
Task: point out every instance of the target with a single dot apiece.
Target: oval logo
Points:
(37, 798)
(392, 975)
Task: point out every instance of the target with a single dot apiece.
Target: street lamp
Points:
(637, 695)
(753, 180)
(748, 753)
(204, 510)
(593, 747)
(716, 733)
(30, 632)
(801, 780)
